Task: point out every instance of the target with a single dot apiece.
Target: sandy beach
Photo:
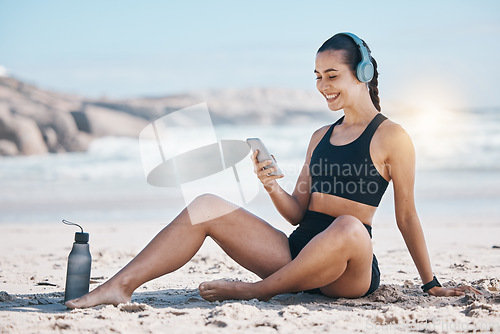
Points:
(33, 267)
(105, 191)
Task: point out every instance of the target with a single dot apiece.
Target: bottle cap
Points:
(81, 237)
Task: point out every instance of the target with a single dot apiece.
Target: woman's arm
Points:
(401, 165)
(291, 207)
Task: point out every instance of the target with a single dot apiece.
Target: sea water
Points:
(458, 174)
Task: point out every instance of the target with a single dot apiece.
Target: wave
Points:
(472, 145)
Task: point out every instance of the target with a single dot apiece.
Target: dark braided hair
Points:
(352, 57)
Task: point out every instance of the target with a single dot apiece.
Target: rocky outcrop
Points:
(36, 121)
(22, 132)
(7, 147)
(101, 122)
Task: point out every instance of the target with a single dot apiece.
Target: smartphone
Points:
(257, 144)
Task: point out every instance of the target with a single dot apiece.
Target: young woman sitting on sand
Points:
(346, 171)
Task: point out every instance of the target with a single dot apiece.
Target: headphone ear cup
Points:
(365, 71)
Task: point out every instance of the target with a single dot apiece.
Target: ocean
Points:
(457, 181)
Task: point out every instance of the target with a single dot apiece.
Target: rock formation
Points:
(37, 121)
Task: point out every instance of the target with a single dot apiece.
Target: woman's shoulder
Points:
(321, 131)
(392, 134)
(392, 130)
(319, 134)
(316, 138)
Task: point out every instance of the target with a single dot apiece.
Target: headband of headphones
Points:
(365, 69)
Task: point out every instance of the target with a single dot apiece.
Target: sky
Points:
(443, 53)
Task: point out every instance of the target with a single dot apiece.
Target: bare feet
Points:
(225, 290)
(104, 294)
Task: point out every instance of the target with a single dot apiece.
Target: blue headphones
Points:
(365, 69)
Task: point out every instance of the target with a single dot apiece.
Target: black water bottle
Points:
(79, 263)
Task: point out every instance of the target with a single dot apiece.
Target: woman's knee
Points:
(206, 200)
(349, 227)
(348, 235)
(207, 207)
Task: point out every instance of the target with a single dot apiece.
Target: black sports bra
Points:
(347, 171)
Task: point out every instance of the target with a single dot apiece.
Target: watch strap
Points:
(431, 284)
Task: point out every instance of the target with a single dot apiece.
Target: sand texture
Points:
(33, 268)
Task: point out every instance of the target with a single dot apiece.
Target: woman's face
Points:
(335, 80)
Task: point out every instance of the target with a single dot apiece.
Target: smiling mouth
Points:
(331, 97)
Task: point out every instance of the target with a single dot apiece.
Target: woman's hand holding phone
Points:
(264, 174)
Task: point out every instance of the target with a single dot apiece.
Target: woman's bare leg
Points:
(247, 239)
(338, 260)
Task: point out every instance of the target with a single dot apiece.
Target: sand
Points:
(33, 268)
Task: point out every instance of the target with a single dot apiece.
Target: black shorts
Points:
(314, 223)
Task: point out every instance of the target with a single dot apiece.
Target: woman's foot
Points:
(224, 290)
(104, 294)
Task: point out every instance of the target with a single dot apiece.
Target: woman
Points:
(346, 171)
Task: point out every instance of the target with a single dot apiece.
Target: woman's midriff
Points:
(337, 206)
